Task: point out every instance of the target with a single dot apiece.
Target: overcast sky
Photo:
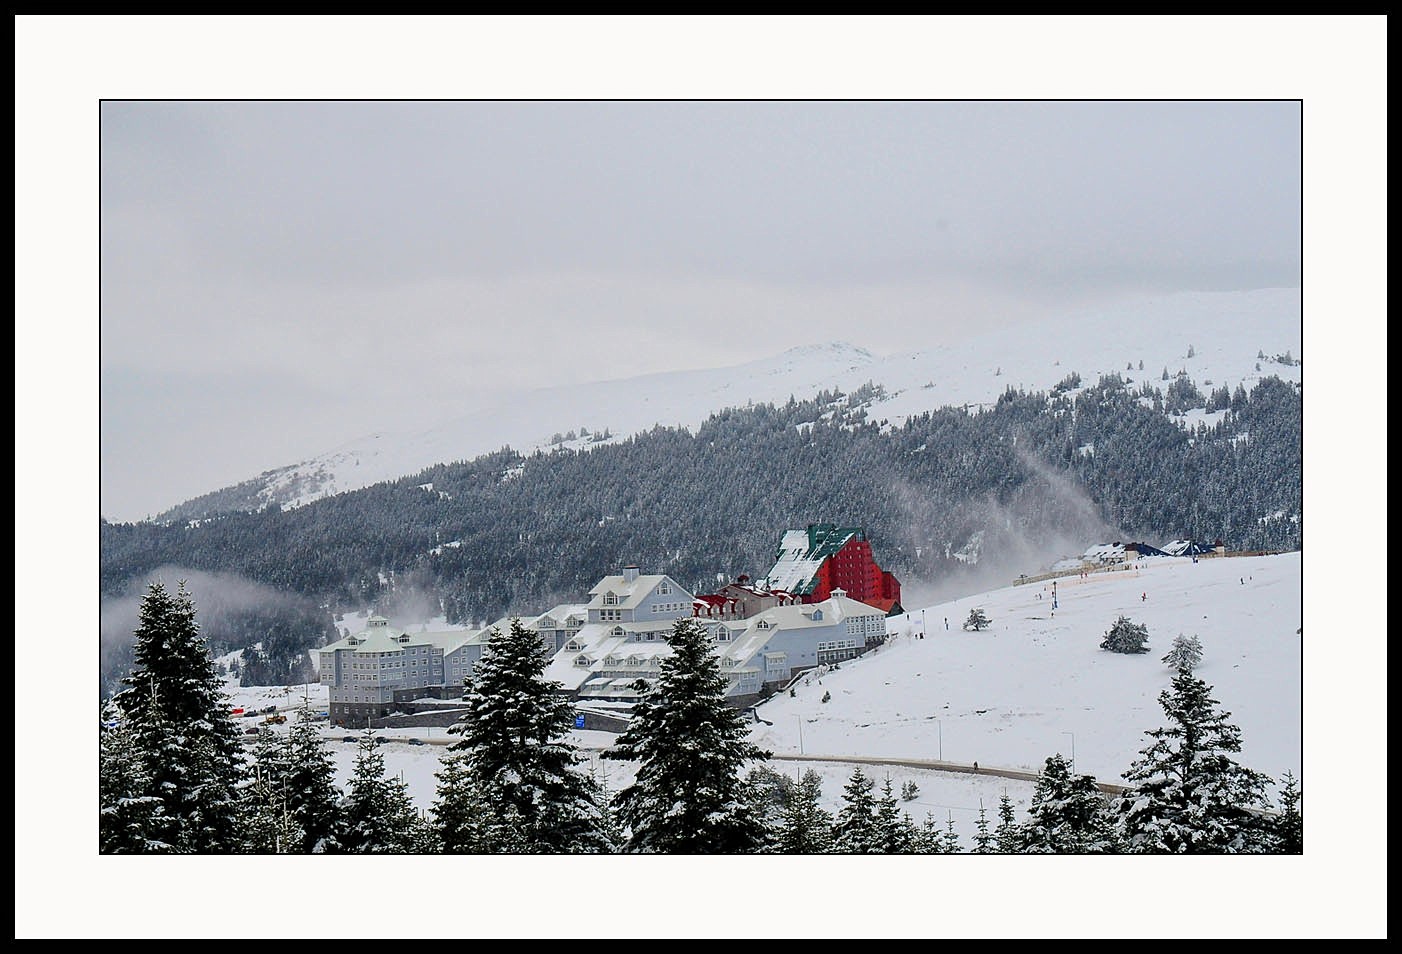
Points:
(292, 267)
(348, 266)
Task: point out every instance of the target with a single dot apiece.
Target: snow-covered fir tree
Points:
(462, 819)
(311, 785)
(855, 831)
(769, 793)
(894, 832)
(929, 837)
(1185, 653)
(181, 726)
(270, 820)
(379, 815)
(516, 751)
(1069, 814)
(983, 837)
(691, 747)
(951, 837)
(1187, 794)
(806, 827)
(1006, 837)
(131, 812)
(977, 620)
(1126, 637)
(1288, 828)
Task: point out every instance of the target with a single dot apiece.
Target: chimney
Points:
(630, 573)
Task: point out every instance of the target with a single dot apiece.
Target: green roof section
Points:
(825, 539)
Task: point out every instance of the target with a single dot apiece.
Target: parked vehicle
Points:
(277, 718)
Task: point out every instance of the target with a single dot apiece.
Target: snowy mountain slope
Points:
(1030, 686)
(1218, 339)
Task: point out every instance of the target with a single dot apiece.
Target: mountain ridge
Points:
(1223, 338)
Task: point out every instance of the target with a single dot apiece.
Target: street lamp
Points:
(939, 727)
(1073, 749)
(800, 735)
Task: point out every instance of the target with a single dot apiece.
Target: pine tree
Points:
(983, 840)
(379, 815)
(691, 747)
(269, 820)
(930, 838)
(1289, 823)
(1069, 814)
(977, 620)
(311, 785)
(1006, 837)
(1126, 637)
(951, 837)
(131, 812)
(181, 728)
(462, 819)
(1185, 654)
(769, 794)
(892, 831)
(806, 827)
(1187, 794)
(517, 753)
(855, 830)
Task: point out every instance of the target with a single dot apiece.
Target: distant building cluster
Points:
(1118, 553)
(825, 600)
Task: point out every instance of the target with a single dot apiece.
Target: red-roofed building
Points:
(812, 563)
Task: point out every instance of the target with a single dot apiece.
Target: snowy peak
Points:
(1217, 339)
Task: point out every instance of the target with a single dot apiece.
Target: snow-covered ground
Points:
(1029, 686)
(1034, 684)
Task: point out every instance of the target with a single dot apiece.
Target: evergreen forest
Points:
(508, 533)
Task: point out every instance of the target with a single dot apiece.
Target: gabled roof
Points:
(802, 552)
(561, 614)
(380, 637)
(1187, 548)
(632, 592)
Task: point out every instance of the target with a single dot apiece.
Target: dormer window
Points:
(618, 631)
(574, 645)
(582, 660)
(610, 599)
(817, 614)
(762, 624)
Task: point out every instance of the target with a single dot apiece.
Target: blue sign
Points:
(579, 721)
